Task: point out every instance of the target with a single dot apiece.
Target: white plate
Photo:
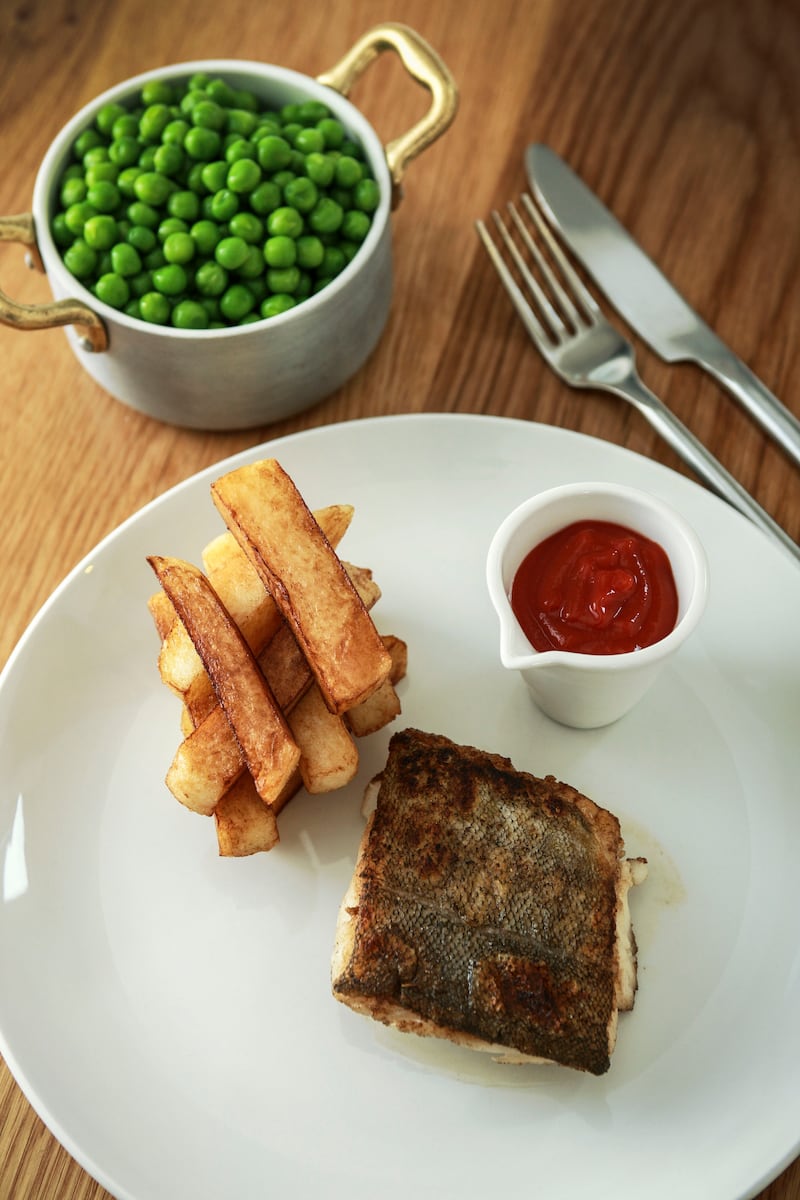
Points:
(168, 1013)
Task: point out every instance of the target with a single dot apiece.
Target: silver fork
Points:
(586, 351)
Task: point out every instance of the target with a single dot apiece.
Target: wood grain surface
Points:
(684, 115)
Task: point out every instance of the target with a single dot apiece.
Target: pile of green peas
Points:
(199, 208)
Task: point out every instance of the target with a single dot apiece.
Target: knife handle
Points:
(692, 451)
(756, 399)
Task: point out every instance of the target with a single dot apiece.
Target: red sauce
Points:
(595, 588)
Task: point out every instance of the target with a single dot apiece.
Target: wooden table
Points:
(684, 116)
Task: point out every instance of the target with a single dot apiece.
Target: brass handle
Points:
(57, 312)
(421, 62)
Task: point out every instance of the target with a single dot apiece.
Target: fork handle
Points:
(692, 451)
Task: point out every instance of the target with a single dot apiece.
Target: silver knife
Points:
(644, 296)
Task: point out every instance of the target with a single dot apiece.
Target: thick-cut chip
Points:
(163, 613)
(328, 756)
(272, 523)
(209, 760)
(266, 743)
(244, 595)
(382, 706)
(245, 824)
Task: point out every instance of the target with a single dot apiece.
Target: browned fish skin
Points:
(487, 903)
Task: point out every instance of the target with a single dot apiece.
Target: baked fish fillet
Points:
(490, 908)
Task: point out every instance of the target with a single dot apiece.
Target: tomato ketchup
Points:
(595, 587)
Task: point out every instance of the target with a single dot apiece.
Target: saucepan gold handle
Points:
(424, 65)
(57, 312)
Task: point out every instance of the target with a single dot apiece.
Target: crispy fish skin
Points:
(484, 907)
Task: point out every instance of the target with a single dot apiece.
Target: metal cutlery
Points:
(643, 295)
(586, 351)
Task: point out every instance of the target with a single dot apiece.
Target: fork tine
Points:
(556, 287)
(524, 309)
(585, 298)
(546, 310)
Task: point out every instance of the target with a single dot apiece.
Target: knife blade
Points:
(644, 297)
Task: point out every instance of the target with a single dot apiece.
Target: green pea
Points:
(355, 225)
(112, 289)
(174, 132)
(231, 252)
(185, 205)
(284, 279)
(333, 261)
(125, 151)
(77, 215)
(132, 309)
(312, 111)
(189, 314)
(266, 198)
(194, 179)
(62, 235)
(104, 196)
(202, 144)
(309, 141)
(240, 148)
(274, 152)
(214, 174)
(86, 141)
(170, 279)
(169, 159)
(141, 284)
(211, 279)
(101, 172)
(126, 125)
(326, 216)
(155, 308)
(366, 195)
(158, 91)
(320, 169)
(285, 220)
(140, 213)
(247, 226)
(153, 121)
(222, 93)
(302, 194)
(236, 302)
(171, 225)
(141, 238)
(125, 260)
(273, 306)
(244, 176)
(93, 158)
(224, 205)
(179, 248)
(280, 251)
(73, 191)
(310, 252)
(332, 132)
(152, 188)
(127, 179)
(348, 171)
(241, 121)
(107, 115)
(206, 235)
(252, 269)
(208, 115)
(290, 112)
(80, 259)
